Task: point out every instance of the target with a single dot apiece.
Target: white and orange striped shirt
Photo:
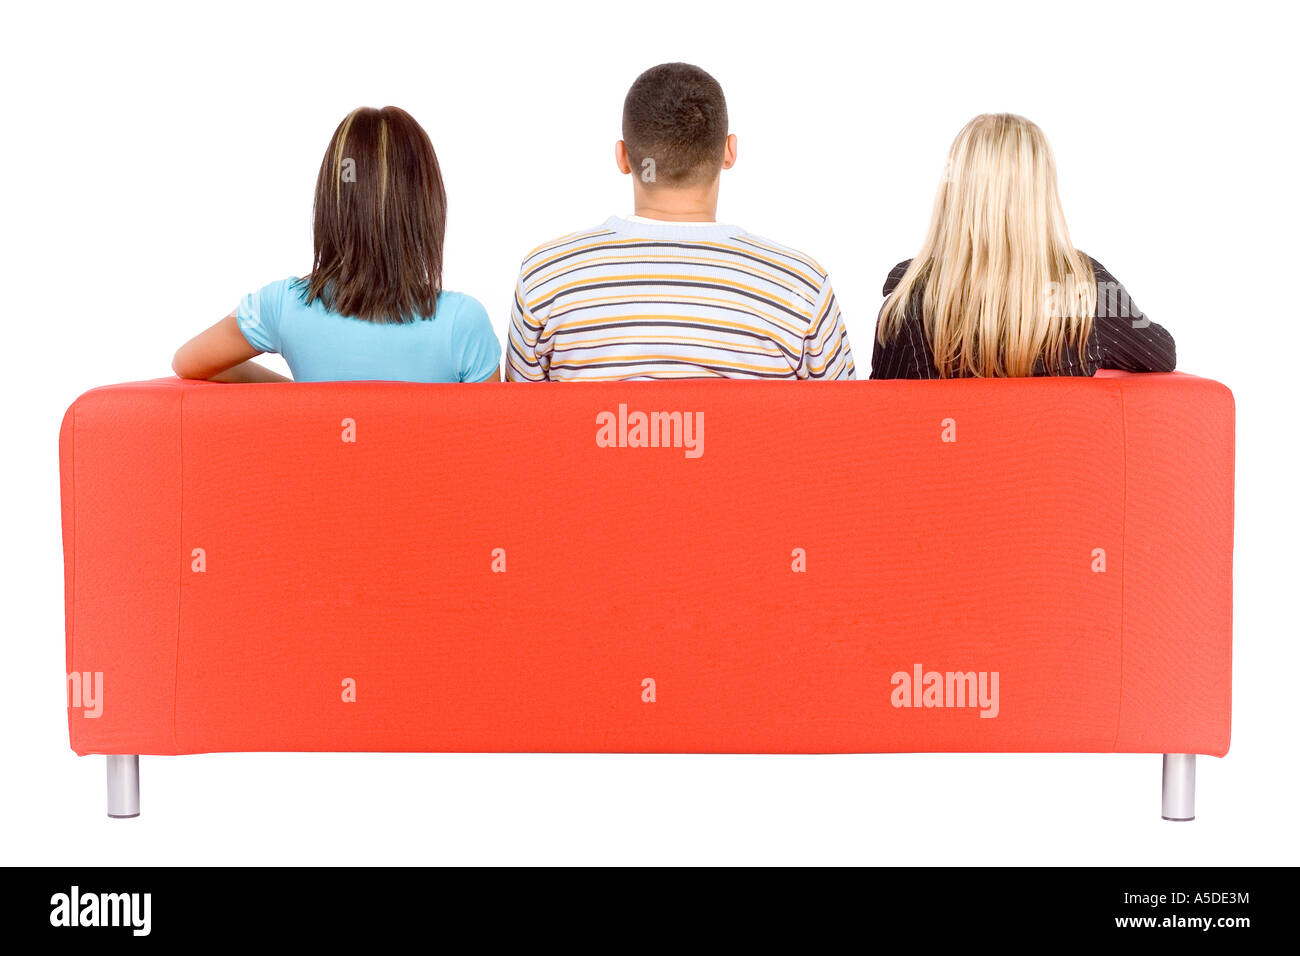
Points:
(636, 299)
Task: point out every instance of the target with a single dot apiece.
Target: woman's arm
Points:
(1126, 339)
(222, 354)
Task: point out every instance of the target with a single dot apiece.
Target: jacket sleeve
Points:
(1126, 339)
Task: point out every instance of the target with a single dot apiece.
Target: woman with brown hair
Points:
(373, 306)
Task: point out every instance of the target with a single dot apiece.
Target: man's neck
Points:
(677, 205)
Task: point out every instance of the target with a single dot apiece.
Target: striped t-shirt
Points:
(643, 300)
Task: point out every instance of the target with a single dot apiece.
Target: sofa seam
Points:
(1123, 558)
(180, 567)
(71, 624)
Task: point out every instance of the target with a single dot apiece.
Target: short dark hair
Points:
(379, 220)
(675, 114)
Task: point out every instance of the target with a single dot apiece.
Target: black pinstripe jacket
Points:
(1122, 338)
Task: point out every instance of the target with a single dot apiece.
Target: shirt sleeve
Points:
(258, 315)
(906, 354)
(881, 367)
(826, 350)
(526, 360)
(478, 353)
(1126, 339)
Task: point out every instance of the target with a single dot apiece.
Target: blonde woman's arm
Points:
(1126, 339)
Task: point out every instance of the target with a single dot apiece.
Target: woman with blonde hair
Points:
(998, 290)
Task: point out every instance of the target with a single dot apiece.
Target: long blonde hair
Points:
(997, 284)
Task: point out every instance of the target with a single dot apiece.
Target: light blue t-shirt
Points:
(456, 345)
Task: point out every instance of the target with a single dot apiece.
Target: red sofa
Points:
(1016, 565)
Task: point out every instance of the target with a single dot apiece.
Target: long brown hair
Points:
(379, 219)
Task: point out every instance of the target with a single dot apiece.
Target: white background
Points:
(159, 163)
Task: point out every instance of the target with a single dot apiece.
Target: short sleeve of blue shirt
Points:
(478, 353)
(258, 315)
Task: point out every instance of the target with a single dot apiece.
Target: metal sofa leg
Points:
(1178, 789)
(123, 785)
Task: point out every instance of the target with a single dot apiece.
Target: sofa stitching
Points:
(180, 565)
(71, 623)
(1123, 556)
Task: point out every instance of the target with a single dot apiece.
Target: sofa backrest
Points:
(778, 568)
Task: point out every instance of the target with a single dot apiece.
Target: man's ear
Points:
(729, 152)
(620, 157)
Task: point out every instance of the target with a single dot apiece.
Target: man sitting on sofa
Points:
(669, 292)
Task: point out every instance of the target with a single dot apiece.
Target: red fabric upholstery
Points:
(372, 561)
